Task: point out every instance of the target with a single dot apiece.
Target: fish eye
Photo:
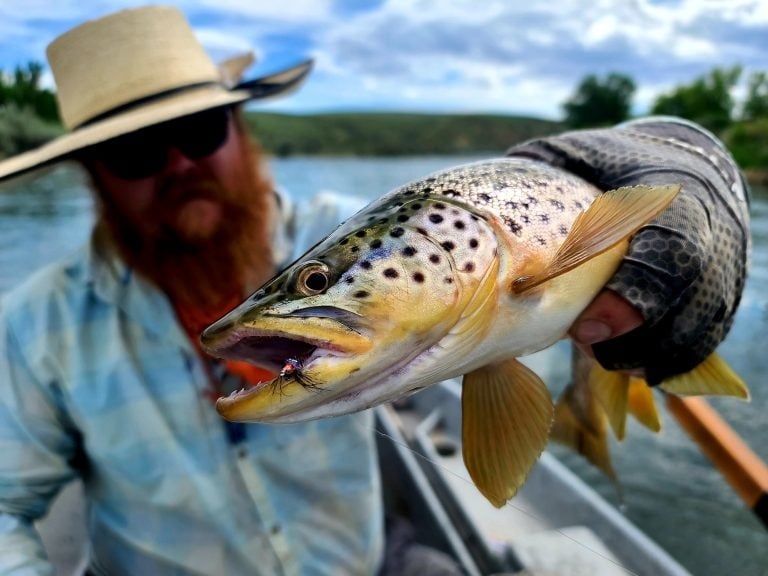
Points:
(313, 278)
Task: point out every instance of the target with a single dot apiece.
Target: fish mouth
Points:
(268, 339)
(272, 341)
(269, 352)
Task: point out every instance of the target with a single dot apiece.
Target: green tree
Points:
(22, 88)
(707, 100)
(748, 142)
(600, 102)
(756, 103)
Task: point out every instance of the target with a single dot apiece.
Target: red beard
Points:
(204, 269)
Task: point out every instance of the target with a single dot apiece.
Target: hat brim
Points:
(161, 109)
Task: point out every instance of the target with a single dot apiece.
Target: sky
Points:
(521, 57)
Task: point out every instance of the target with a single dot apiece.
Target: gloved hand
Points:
(685, 271)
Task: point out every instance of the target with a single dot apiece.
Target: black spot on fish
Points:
(408, 251)
(344, 241)
(409, 192)
(422, 232)
(416, 206)
(375, 244)
(448, 245)
(434, 258)
(511, 204)
(349, 279)
(366, 265)
(403, 218)
(544, 218)
(473, 243)
(451, 193)
(418, 277)
(391, 273)
(361, 294)
(435, 218)
(514, 226)
(439, 206)
(541, 240)
(354, 249)
(469, 267)
(360, 233)
(448, 280)
(563, 230)
(484, 197)
(525, 218)
(557, 204)
(459, 225)
(397, 232)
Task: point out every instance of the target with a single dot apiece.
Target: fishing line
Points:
(512, 505)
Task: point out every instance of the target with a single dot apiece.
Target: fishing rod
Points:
(736, 461)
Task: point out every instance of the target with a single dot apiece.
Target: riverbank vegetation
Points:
(28, 118)
(393, 134)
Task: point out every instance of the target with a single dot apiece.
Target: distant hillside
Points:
(392, 134)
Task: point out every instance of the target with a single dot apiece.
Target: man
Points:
(100, 372)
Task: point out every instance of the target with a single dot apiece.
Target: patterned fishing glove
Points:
(685, 270)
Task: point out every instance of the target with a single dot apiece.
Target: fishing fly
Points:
(292, 370)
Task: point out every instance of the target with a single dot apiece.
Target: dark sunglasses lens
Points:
(144, 153)
(134, 156)
(201, 134)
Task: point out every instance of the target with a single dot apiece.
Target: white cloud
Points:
(427, 54)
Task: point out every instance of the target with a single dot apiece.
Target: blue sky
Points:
(500, 56)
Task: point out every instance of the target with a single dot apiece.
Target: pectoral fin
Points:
(612, 217)
(507, 412)
(713, 376)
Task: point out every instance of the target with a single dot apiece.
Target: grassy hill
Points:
(392, 134)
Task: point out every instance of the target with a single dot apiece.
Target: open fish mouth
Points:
(288, 345)
(269, 339)
(268, 352)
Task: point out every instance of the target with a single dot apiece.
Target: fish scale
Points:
(412, 273)
(455, 274)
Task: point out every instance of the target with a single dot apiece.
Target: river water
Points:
(670, 490)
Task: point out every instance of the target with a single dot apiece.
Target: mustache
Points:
(179, 189)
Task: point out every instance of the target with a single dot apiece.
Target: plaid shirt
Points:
(99, 381)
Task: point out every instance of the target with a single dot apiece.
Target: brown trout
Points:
(459, 273)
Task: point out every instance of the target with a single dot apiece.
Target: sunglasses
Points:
(144, 153)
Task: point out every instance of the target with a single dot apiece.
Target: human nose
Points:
(177, 161)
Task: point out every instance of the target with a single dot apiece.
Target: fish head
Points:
(339, 323)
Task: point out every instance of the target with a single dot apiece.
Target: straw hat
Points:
(133, 69)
